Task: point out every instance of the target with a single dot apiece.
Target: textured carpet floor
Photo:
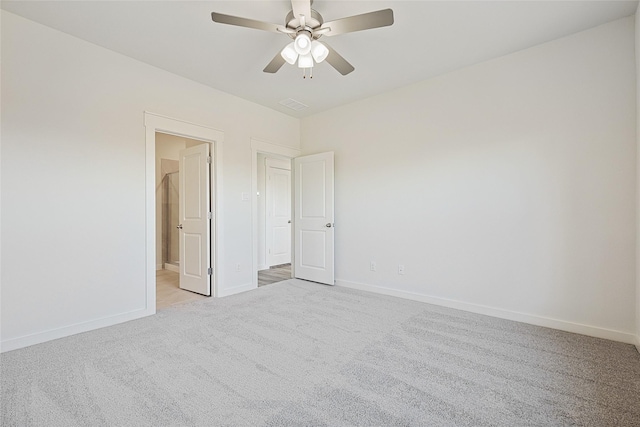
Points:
(297, 353)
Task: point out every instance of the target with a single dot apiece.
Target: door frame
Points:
(267, 148)
(157, 123)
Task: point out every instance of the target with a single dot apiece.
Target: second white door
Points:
(278, 208)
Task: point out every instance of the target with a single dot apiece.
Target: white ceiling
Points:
(428, 38)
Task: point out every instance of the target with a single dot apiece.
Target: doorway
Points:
(271, 212)
(274, 219)
(312, 214)
(277, 201)
(173, 286)
(194, 144)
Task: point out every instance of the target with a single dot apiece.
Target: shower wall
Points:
(170, 233)
(167, 161)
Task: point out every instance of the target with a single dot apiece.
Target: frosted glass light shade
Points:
(289, 53)
(302, 44)
(305, 61)
(319, 51)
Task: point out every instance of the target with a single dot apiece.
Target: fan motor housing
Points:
(311, 24)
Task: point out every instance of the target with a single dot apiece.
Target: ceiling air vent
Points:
(293, 104)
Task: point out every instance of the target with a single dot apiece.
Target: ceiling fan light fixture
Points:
(302, 43)
(304, 26)
(319, 51)
(305, 61)
(289, 53)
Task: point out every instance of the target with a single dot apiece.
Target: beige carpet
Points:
(301, 354)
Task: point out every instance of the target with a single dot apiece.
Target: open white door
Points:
(314, 235)
(278, 221)
(195, 222)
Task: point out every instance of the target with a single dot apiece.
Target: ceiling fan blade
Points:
(276, 63)
(338, 62)
(366, 21)
(301, 7)
(248, 23)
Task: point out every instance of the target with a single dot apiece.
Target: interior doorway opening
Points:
(272, 212)
(312, 212)
(170, 195)
(274, 218)
(157, 124)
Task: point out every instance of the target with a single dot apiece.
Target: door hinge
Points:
(209, 159)
(209, 271)
(209, 215)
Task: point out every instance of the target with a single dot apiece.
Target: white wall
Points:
(73, 136)
(506, 188)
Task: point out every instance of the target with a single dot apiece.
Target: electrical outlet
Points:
(238, 267)
(400, 269)
(373, 266)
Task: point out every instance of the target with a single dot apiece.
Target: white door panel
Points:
(314, 240)
(314, 210)
(194, 220)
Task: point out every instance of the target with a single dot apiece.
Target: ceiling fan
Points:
(305, 26)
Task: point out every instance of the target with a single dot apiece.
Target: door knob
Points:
(328, 225)
(289, 222)
(179, 226)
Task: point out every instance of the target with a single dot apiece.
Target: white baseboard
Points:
(263, 267)
(38, 338)
(562, 325)
(637, 343)
(172, 267)
(158, 267)
(236, 290)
